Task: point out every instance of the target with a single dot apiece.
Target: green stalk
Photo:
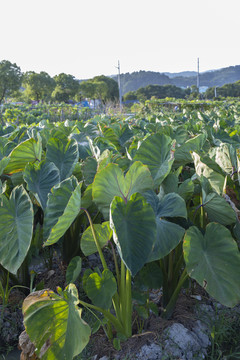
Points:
(202, 216)
(104, 264)
(116, 323)
(128, 319)
(171, 304)
(165, 282)
(116, 265)
(170, 267)
(122, 292)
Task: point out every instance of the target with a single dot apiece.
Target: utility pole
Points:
(119, 86)
(198, 74)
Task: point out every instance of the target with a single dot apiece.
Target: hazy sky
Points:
(87, 38)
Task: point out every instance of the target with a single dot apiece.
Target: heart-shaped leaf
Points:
(134, 228)
(16, 227)
(40, 178)
(183, 153)
(63, 206)
(169, 234)
(54, 324)
(64, 154)
(110, 182)
(26, 152)
(103, 233)
(100, 289)
(157, 153)
(213, 260)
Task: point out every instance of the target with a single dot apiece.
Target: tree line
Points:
(32, 86)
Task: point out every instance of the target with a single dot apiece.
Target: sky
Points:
(87, 38)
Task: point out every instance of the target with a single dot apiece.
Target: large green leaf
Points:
(186, 189)
(63, 206)
(54, 324)
(100, 289)
(28, 151)
(40, 178)
(3, 163)
(183, 153)
(169, 234)
(213, 260)
(103, 233)
(157, 153)
(110, 182)
(16, 227)
(64, 154)
(218, 209)
(134, 232)
(73, 270)
(89, 169)
(215, 178)
(83, 145)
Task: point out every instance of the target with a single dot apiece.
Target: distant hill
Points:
(182, 73)
(138, 79)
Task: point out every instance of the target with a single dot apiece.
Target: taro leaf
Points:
(73, 270)
(40, 178)
(125, 135)
(28, 151)
(54, 324)
(218, 209)
(157, 153)
(134, 230)
(64, 154)
(86, 200)
(183, 153)
(110, 182)
(236, 230)
(100, 289)
(170, 183)
(63, 206)
(150, 276)
(110, 135)
(3, 187)
(169, 234)
(213, 260)
(225, 157)
(16, 227)
(83, 145)
(186, 189)
(89, 169)
(180, 134)
(3, 163)
(103, 233)
(215, 178)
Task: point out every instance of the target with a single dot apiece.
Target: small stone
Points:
(50, 274)
(104, 358)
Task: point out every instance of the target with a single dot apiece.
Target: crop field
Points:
(155, 194)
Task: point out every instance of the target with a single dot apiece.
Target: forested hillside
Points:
(138, 79)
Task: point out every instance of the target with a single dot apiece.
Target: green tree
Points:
(87, 89)
(10, 79)
(38, 86)
(100, 87)
(66, 87)
(111, 93)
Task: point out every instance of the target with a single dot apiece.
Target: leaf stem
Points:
(171, 304)
(104, 264)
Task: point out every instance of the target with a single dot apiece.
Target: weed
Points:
(225, 336)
